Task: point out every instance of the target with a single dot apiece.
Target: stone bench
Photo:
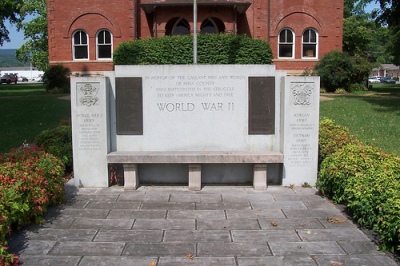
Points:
(131, 159)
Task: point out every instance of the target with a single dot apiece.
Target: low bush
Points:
(365, 179)
(56, 79)
(332, 137)
(30, 182)
(58, 142)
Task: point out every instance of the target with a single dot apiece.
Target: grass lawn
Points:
(373, 116)
(26, 109)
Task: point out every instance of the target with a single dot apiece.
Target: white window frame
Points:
(286, 43)
(104, 44)
(80, 45)
(309, 42)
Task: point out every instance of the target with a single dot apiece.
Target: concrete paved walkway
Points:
(220, 225)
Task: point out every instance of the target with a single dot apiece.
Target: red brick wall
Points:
(264, 19)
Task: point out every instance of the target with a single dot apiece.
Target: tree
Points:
(9, 10)
(389, 15)
(357, 35)
(35, 50)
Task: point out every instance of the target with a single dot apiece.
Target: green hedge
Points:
(367, 181)
(211, 49)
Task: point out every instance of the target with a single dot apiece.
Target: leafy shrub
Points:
(366, 191)
(211, 49)
(350, 161)
(335, 70)
(357, 87)
(332, 138)
(340, 91)
(58, 142)
(56, 79)
(339, 70)
(30, 181)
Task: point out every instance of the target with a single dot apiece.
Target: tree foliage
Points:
(9, 11)
(357, 35)
(35, 50)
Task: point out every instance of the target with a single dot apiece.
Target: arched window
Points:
(80, 45)
(181, 27)
(104, 44)
(286, 44)
(208, 26)
(212, 25)
(310, 43)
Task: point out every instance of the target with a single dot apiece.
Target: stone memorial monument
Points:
(196, 124)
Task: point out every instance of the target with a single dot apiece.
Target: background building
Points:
(83, 34)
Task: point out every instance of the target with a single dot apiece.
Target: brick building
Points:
(83, 34)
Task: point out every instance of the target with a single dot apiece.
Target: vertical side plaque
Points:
(261, 105)
(129, 106)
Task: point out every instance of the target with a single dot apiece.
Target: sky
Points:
(17, 38)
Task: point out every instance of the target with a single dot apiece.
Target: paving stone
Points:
(35, 247)
(75, 204)
(142, 197)
(296, 197)
(196, 214)
(197, 236)
(233, 249)
(331, 235)
(256, 214)
(86, 223)
(164, 224)
(113, 205)
(91, 213)
(61, 223)
(290, 224)
(305, 190)
(223, 189)
(223, 206)
(87, 248)
(340, 222)
(323, 214)
(280, 190)
(364, 260)
(227, 224)
(277, 260)
(137, 214)
(305, 248)
(264, 236)
(210, 198)
(365, 247)
(159, 249)
(317, 204)
(168, 206)
(116, 260)
(37, 260)
(63, 234)
(134, 236)
(284, 205)
(247, 197)
(196, 261)
(95, 197)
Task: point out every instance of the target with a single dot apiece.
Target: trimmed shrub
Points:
(350, 161)
(56, 79)
(58, 142)
(211, 49)
(332, 138)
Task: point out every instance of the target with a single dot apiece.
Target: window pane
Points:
(77, 38)
(289, 36)
(309, 50)
(107, 36)
(208, 27)
(100, 37)
(104, 51)
(306, 36)
(81, 52)
(285, 50)
(83, 38)
(181, 28)
(313, 36)
(282, 36)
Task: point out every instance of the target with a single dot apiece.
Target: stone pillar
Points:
(131, 176)
(260, 176)
(194, 177)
